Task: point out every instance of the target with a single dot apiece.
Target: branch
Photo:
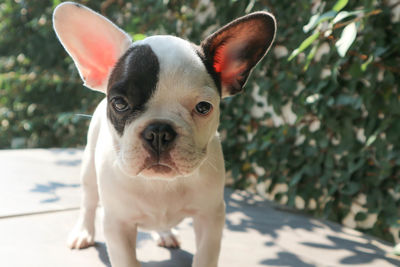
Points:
(372, 13)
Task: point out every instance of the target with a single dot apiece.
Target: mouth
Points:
(160, 168)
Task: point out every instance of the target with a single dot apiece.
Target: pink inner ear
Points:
(226, 63)
(219, 59)
(96, 59)
(94, 43)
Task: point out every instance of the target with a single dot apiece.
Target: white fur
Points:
(116, 167)
(157, 204)
(135, 199)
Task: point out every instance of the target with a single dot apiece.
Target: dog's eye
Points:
(119, 104)
(203, 108)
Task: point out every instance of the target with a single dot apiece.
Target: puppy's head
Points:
(163, 92)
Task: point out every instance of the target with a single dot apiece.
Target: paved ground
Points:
(39, 198)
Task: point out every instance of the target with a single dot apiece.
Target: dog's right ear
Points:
(234, 50)
(94, 43)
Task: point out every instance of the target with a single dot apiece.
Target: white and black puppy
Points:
(153, 155)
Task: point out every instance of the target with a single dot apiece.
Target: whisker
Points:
(83, 115)
(213, 166)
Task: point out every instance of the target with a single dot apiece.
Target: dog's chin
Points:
(159, 171)
(150, 171)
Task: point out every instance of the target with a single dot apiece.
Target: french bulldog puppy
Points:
(153, 155)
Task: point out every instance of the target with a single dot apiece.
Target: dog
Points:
(153, 155)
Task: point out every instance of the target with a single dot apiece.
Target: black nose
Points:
(159, 136)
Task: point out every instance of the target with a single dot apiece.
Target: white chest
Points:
(150, 204)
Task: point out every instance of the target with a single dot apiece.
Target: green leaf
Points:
(340, 4)
(328, 209)
(311, 23)
(344, 14)
(347, 38)
(356, 166)
(296, 178)
(366, 63)
(317, 19)
(350, 188)
(139, 36)
(360, 216)
(306, 43)
(56, 3)
(379, 51)
(310, 56)
(371, 139)
(396, 250)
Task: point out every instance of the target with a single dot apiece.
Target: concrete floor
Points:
(39, 201)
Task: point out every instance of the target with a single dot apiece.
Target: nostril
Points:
(159, 136)
(149, 135)
(167, 136)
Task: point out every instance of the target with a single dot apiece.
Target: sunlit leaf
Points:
(344, 14)
(347, 38)
(306, 43)
(310, 56)
(138, 37)
(311, 23)
(314, 21)
(371, 140)
(366, 63)
(340, 4)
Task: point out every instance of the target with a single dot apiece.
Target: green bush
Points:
(320, 132)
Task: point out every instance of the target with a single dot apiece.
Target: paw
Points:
(168, 239)
(81, 237)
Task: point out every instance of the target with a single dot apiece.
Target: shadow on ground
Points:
(178, 258)
(286, 259)
(363, 252)
(246, 213)
(50, 189)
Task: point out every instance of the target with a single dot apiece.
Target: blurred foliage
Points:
(319, 132)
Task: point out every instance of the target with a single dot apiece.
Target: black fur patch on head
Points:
(133, 79)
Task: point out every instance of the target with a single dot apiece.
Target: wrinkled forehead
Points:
(178, 62)
(173, 52)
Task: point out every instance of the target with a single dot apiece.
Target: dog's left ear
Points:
(94, 43)
(232, 52)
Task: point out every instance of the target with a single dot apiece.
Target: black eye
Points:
(119, 104)
(203, 108)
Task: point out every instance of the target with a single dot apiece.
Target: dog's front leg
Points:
(121, 242)
(208, 229)
(82, 234)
